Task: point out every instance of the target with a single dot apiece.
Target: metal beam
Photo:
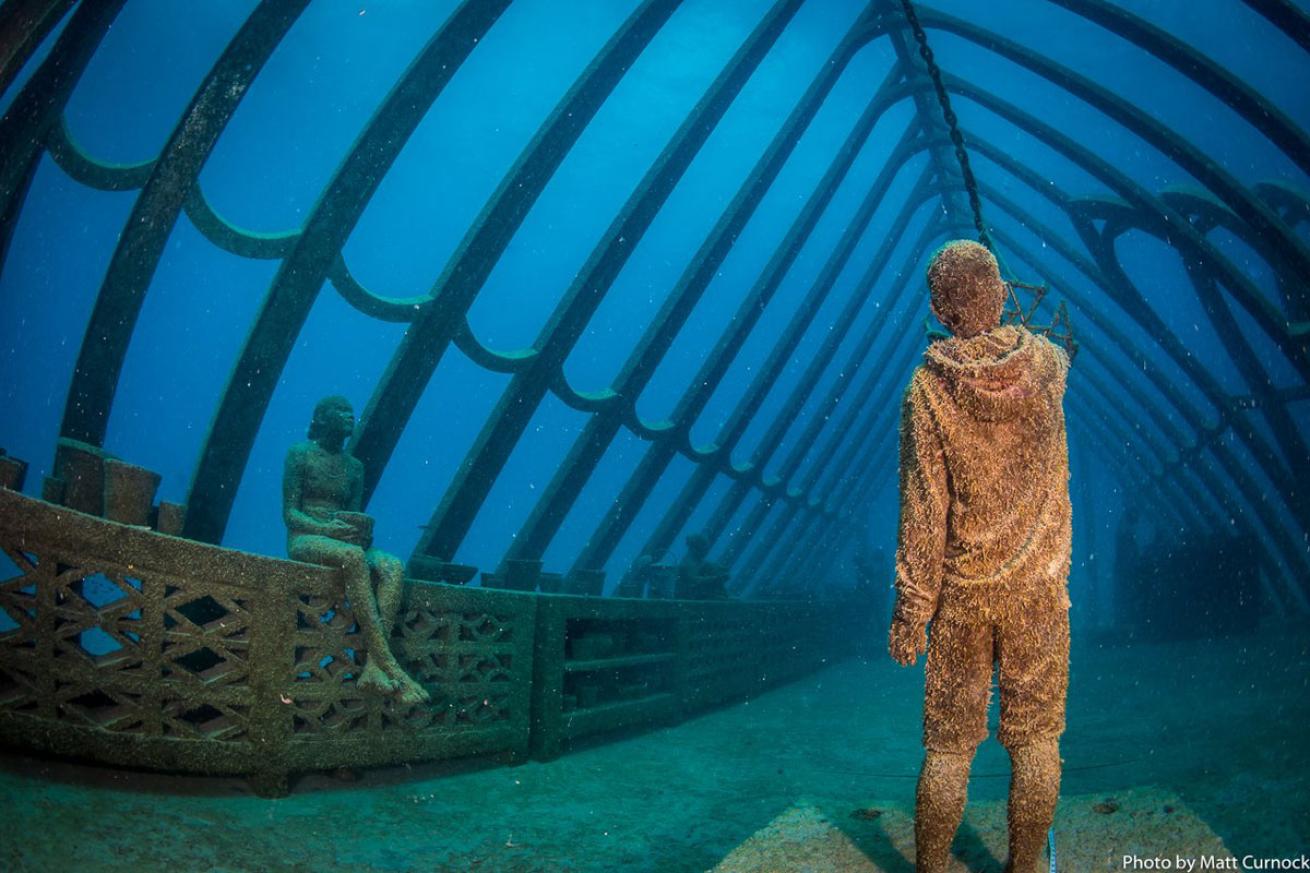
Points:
(1281, 130)
(39, 105)
(782, 351)
(464, 497)
(467, 270)
(1133, 303)
(300, 277)
(858, 358)
(600, 430)
(150, 223)
(1280, 246)
(1285, 16)
(710, 374)
(23, 25)
(679, 511)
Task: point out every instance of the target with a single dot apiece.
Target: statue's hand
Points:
(338, 529)
(906, 641)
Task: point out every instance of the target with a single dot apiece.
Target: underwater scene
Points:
(654, 435)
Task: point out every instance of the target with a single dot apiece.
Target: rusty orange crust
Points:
(985, 524)
(964, 280)
(983, 553)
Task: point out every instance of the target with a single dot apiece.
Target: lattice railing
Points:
(133, 647)
(127, 646)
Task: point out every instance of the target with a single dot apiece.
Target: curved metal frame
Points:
(1194, 473)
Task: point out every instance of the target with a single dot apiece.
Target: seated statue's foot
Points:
(373, 678)
(410, 692)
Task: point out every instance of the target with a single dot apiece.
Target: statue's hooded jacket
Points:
(984, 479)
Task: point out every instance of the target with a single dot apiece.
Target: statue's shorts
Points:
(1032, 651)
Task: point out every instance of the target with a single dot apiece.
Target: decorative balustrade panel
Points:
(605, 664)
(127, 646)
(753, 648)
(471, 648)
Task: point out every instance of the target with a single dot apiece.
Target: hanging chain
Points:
(957, 138)
(1060, 329)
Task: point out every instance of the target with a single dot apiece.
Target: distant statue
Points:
(699, 578)
(646, 577)
(322, 490)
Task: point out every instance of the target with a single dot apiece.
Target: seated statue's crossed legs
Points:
(376, 614)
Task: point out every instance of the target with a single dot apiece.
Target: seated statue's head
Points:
(333, 421)
(967, 291)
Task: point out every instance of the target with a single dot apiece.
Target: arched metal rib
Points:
(858, 358)
(40, 104)
(1281, 130)
(1279, 245)
(642, 362)
(117, 306)
(1294, 560)
(463, 499)
(1285, 16)
(81, 167)
(1184, 236)
(783, 349)
(865, 408)
(421, 350)
(712, 371)
(298, 280)
(24, 24)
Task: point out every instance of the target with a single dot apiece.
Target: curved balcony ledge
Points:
(125, 646)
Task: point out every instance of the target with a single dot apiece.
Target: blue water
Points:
(336, 64)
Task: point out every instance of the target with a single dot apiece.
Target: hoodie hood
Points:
(998, 374)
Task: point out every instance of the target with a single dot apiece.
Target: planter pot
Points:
(13, 473)
(170, 518)
(81, 466)
(588, 582)
(129, 492)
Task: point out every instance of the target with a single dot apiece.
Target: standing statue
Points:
(322, 489)
(699, 578)
(983, 552)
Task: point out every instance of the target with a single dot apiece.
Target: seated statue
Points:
(647, 577)
(699, 578)
(322, 489)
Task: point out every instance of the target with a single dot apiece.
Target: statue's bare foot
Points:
(410, 692)
(374, 678)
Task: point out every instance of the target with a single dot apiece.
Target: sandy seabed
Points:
(1192, 747)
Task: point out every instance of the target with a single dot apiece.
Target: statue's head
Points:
(698, 544)
(965, 284)
(334, 419)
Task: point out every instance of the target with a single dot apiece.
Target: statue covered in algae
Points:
(983, 553)
(322, 489)
(699, 578)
